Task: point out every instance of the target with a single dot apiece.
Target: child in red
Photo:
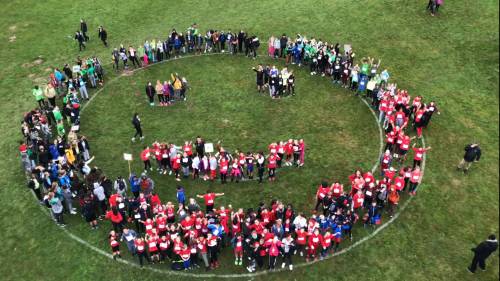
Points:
(176, 166)
(145, 154)
(416, 176)
(238, 249)
(185, 255)
(153, 247)
(313, 244)
(419, 154)
(272, 163)
(224, 166)
(235, 171)
(140, 250)
(115, 245)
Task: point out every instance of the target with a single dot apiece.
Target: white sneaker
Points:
(301, 254)
(72, 212)
(133, 139)
(169, 173)
(290, 267)
(142, 137)
(283, 265)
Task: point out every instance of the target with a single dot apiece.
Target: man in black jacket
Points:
(81, 40)
(136, 122)
(482, 252)
(103, 35)
(83, 29)
(472, 154)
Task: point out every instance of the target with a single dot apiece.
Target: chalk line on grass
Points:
(242, 275)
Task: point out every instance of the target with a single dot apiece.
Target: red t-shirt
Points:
(188, 150)
(209, 199)
(145, 154)
(419, 153)
(301, 237)
(322, 192)
(272, 161)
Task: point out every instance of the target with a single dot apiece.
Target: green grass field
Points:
(451, 58)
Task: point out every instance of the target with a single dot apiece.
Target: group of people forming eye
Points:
(191, 160)
(189, 236)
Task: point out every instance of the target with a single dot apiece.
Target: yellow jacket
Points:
(177, 84)
(70, 157)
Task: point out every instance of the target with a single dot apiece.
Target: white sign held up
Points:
(209, 147)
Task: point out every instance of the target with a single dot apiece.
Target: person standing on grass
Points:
(419, 154)
(150, 92)
(129, 235)
(103, 35)
(145, 155)
(472, 154)
(56, 208)
(136, 121)
(209, 198)
(81, 40)
(482, 252)
(50, 93)
(115, 245)
(38, 94)
(84, 29)
(140, 247)
(132, 53)
(415, 178)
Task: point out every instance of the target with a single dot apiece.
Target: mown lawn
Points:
(452, 58)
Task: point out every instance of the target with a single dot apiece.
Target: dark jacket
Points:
(103, 34)
(485, 248)
(472, 153)
(83, 144)
(150, 91)
(79, 37)
(83, 26)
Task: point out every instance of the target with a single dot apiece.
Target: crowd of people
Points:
(279, 83)
(192, 161)
(181, 231)
(168, 92)
(177, 44)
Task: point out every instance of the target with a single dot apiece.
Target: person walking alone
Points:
(136, 121)
(84, 29)
(103, 35)
(81, 40)
(482, 252)
(472, 154)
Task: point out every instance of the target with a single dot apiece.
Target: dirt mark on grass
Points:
(37, 61)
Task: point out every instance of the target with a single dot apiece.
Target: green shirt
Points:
(57, 115)
(364, 68)
(60, 129)
(140, 51)
(38, 93)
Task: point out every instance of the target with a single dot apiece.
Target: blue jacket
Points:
(64, 180)
(134, 183)
(54, 153)
(216, 230)
(181, 197)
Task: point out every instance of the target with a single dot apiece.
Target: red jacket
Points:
(114, 218)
